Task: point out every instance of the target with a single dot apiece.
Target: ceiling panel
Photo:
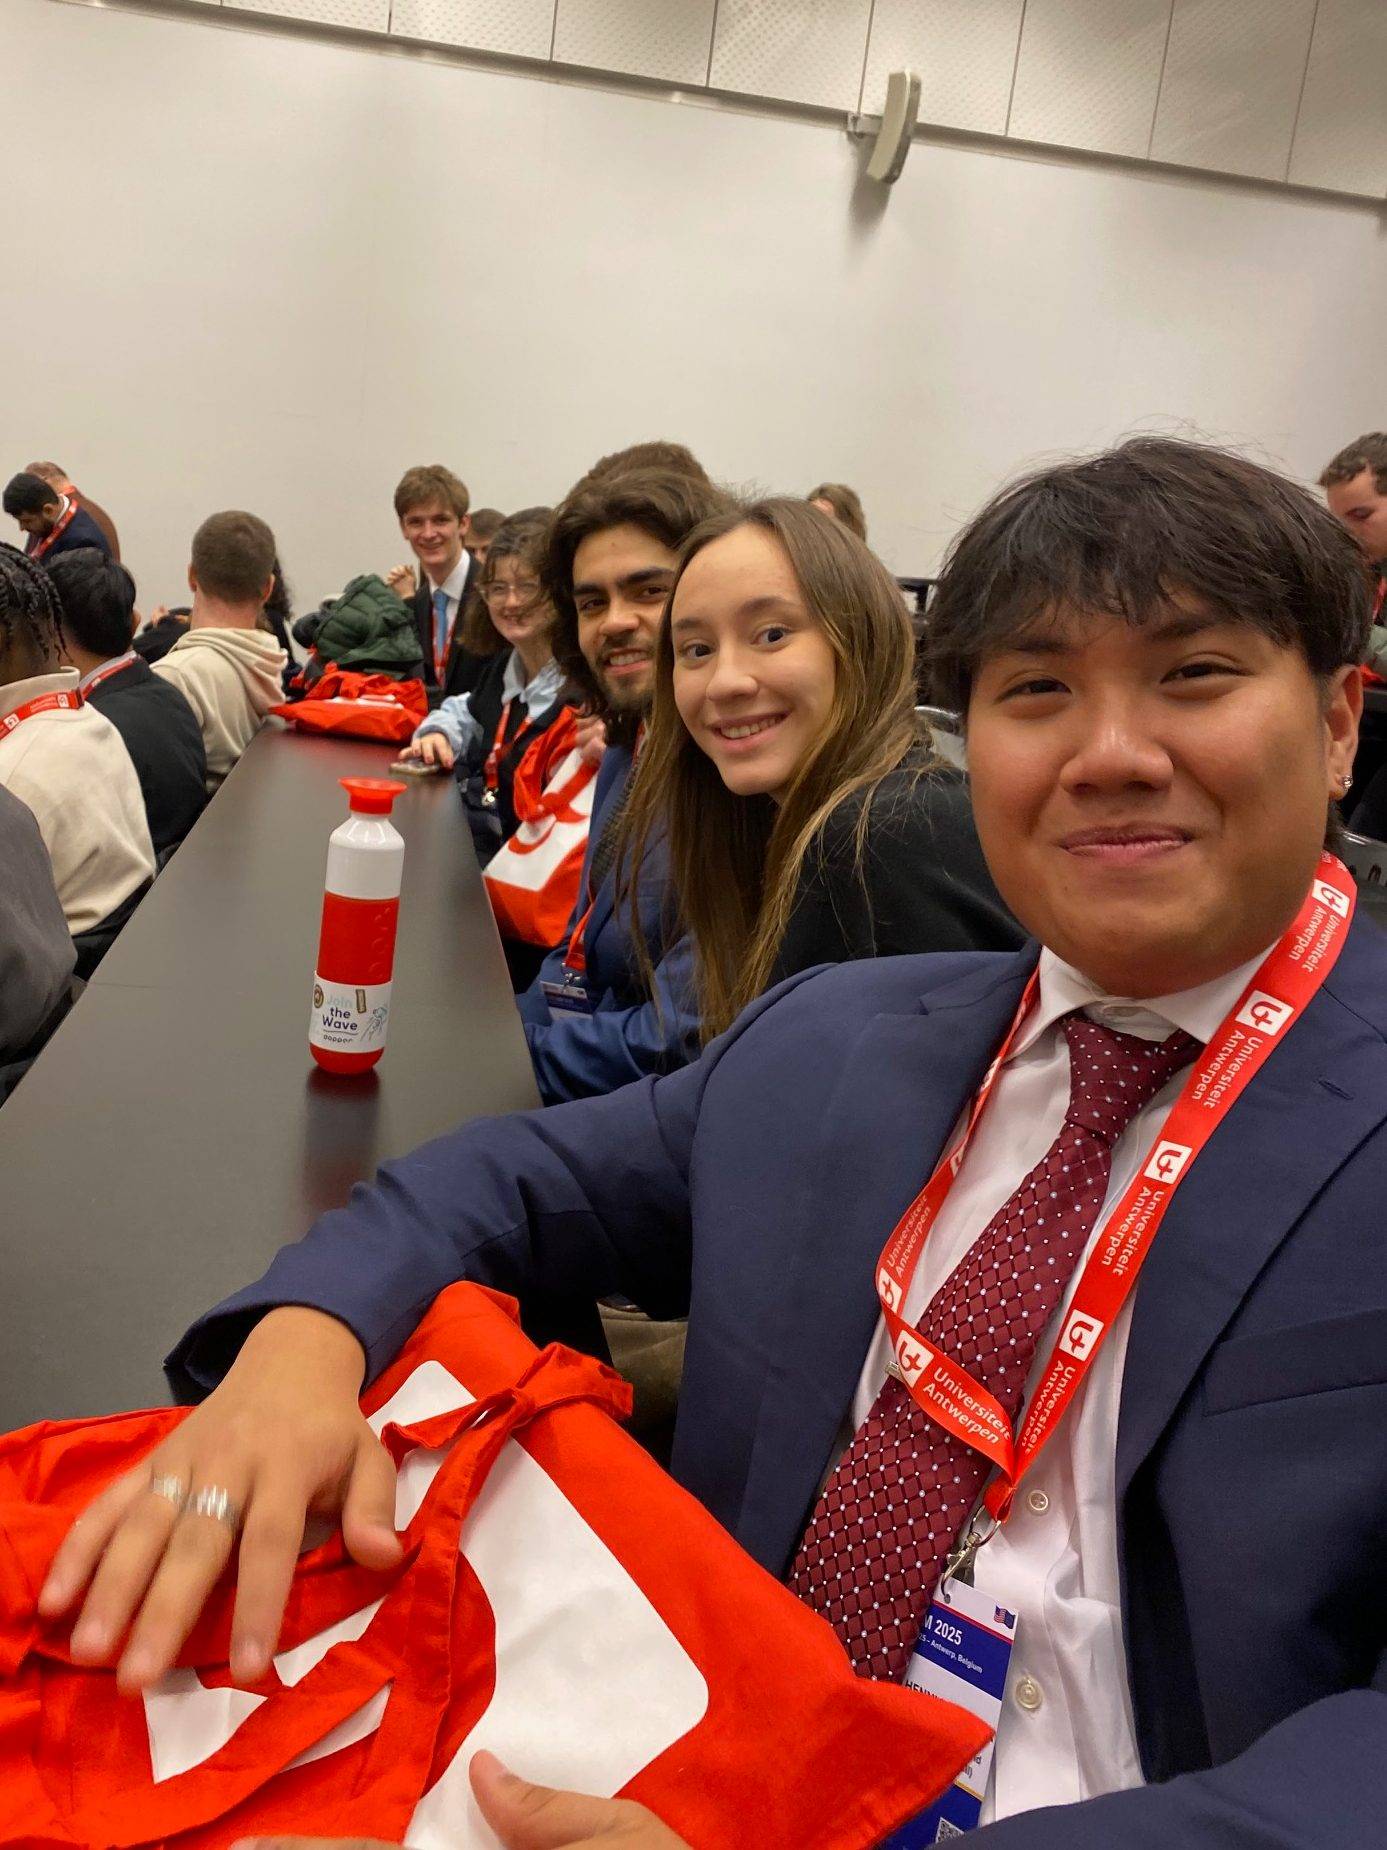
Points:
(515, 28)
(666, 39)
(1341, 136)
(363, 15)
(1232, 81)
(964, 50)
(1089, 73)
(802, 51)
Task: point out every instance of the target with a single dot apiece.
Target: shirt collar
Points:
(1197, 1011)
(14, 696)
(513, 682)
(107, 667)
(455, 583)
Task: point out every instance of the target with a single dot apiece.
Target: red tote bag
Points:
(561, 1602)
(362, 706)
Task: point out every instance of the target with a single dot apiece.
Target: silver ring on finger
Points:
(218, 1503)
(172, 1489)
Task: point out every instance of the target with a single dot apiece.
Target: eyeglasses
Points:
(497, 595)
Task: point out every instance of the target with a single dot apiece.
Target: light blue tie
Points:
(440, 625)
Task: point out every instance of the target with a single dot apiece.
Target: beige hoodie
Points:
(230, 678)
(70, 765)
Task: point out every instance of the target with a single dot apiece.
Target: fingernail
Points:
(249, 1661)
(91, 1639)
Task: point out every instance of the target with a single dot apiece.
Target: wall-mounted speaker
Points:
(898, 121)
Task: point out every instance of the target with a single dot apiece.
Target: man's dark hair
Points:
(666, 506)
(1123, 533)
(29, 494)
(486, 522)
(667, 458)
(29, 607)
(1366, 452)
(97, 597)
(234, 557)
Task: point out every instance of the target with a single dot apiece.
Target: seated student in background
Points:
(483, 524)
(160, 729)
(485, 737)
(840, 503)
(1156, 652)
(59, 478)
(228, 667)
(784, 775)
(502, 715)
(53, 521)
(431, 506)
(68, 763)
(36, 949)
(1355, 487)
(592, 1019)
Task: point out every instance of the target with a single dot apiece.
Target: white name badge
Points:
(962, 1656)
(570, 997)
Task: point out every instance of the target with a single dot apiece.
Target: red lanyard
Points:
(576, 958)
(41, 703)
(491, 770)
(60, 525)
(106, 670)
(1284, 985)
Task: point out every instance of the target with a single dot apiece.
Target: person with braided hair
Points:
(68, 764)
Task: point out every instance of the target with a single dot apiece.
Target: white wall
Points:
(285, 268)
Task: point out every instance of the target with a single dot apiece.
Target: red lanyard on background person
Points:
(41, 703)
(1286, 982)
(105, 672)
(575, 958)
(60, 525)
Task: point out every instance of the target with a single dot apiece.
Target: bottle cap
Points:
(372, 796)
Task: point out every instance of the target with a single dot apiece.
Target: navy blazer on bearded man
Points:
(754, 1190)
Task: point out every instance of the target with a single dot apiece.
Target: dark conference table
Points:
(175, 1132)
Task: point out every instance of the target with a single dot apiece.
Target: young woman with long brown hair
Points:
(805, 817)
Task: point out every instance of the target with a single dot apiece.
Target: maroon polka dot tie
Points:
(902, 1491)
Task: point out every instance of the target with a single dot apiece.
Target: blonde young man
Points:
(432, 506)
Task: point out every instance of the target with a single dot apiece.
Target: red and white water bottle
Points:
(356, 948)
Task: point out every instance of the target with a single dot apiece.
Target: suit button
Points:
(1028, 1694)
(1038, 1501)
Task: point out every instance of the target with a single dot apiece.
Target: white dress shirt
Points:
(1066, 1731)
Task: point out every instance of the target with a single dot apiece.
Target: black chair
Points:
(1366, 860)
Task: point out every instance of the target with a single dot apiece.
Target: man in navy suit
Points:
(1156, 653)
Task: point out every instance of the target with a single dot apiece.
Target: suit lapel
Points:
(1318, 1096)
(900, 1091)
